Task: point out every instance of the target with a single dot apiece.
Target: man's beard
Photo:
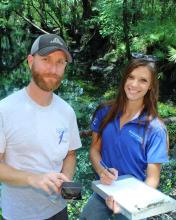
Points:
(50, 84)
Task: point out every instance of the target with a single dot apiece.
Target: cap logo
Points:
(56, 41)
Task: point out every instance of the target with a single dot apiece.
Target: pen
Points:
(107, 168)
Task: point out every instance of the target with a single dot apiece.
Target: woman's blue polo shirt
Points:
(129, 149)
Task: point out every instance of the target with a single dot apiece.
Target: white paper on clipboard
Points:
(136, 199)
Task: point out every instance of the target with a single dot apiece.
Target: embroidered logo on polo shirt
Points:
(136, 136)
(95, 121)
(56, 41)
(61, 133)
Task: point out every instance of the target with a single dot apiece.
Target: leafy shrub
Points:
(168, 177)
(172, 135)
(85, 175)
(166, 110)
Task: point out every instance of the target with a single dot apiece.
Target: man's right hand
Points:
(49, 182)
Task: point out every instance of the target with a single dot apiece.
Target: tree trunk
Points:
(87, 12)
(126, 28)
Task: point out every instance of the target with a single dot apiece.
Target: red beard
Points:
(46, 81)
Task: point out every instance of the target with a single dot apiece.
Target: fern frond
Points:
(172, 54)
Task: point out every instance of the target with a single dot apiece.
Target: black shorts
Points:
(59, 216)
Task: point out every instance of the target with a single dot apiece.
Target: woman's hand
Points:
(112, 204)
(107, 177)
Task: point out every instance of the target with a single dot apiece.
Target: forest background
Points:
(101, 35)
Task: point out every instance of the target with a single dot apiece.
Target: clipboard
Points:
(136, 199)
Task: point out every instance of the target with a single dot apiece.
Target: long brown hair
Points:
(119, 104)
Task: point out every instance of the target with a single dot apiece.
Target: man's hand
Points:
(112, 204)
(107, 177)
(49, 182)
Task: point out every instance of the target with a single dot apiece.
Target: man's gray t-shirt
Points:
(34, 139)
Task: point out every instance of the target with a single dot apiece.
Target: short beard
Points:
(42, 84)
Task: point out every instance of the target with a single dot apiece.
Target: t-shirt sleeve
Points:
(2, 136)
(96, 122)
(74, 137)
(157, 147)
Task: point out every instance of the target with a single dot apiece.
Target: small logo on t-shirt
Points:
(61, 133)
(136, 136)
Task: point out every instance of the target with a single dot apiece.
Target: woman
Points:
(128, 136)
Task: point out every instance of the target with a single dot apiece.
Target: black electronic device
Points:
(71, 191)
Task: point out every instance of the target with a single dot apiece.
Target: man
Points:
(38, 138)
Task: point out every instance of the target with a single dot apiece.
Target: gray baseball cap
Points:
(48, 43)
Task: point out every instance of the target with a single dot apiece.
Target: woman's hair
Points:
(119, 104)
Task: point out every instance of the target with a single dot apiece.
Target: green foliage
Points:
(110, 17)
(76, 93)
(172, 54)
(14, 82)
(110, 94)
(152, 32)
(166, 110)
(148, 25)
(171, 127)
(84, 174)
(168, 177)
